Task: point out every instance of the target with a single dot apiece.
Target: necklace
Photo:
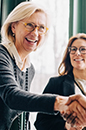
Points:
(24, 117)
(79, 85)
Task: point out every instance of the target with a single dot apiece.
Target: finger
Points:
(65, 115)
(71, 99)
(71, 118)
(76, 123)
(77, 108)
(82, 111)
(81, 114)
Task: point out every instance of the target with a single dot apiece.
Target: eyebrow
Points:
(36, 24)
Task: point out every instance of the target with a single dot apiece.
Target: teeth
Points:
(78, 59)
(31, 40)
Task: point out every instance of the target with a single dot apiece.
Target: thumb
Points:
(71, 99)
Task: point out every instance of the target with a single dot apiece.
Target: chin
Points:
(81, 69)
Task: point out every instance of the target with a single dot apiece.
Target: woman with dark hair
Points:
(72, 80)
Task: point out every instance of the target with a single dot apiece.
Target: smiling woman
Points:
(30, 38)
(78, 57)
(24, 30)
(72, 80)
(75, 50)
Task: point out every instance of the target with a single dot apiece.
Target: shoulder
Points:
(2, 47)
(5, 58)
(3, 51)
(58, 79)
(55, 85)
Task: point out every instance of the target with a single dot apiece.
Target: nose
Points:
(78, 52)
(35, 31)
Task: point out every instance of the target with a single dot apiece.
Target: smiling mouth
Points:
(30, 40)
(78, 59)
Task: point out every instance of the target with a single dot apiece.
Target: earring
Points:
(13, 34)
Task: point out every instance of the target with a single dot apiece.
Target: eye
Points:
(83, 49)
(73, 49)
(30, 25)
(41, 28)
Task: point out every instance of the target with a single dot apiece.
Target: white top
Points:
(83, 84)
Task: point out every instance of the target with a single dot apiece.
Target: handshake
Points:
(73, 111)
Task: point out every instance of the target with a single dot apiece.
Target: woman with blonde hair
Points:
(24, 30)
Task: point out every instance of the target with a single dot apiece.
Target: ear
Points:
(13, 27)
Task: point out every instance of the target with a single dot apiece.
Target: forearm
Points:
(31, 102)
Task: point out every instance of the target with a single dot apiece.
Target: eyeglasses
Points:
(31, 27)
(73, 49)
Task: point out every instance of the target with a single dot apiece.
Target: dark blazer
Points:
(62, 85)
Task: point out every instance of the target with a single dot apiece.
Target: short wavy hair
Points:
(65, 66)
(21, 11)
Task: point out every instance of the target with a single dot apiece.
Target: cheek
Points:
(20, 32)
(41, 40)
(71, 59)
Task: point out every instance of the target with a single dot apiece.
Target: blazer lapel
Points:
(68, 85)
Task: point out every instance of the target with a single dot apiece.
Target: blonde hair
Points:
(65, 66)
(21, 11)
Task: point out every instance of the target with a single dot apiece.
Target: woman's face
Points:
(26, 41)
(78, 60)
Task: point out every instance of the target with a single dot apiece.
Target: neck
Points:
(23, 55)
(80, 74)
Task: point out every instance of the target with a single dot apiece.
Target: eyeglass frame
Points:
(76, 49)
(25, 24)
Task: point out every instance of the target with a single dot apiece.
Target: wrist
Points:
(60, 102)
(56, 104)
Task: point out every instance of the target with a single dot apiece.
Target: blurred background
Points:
(68, 19)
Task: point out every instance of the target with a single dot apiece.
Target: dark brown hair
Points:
(65, 66)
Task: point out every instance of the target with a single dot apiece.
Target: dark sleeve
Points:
(18, 99)
(51, 122)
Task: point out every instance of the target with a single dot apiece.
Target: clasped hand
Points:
(73, 110)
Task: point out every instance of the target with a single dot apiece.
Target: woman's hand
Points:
(75, 115)
(79, 98)
(60, 102)
(72, 110)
